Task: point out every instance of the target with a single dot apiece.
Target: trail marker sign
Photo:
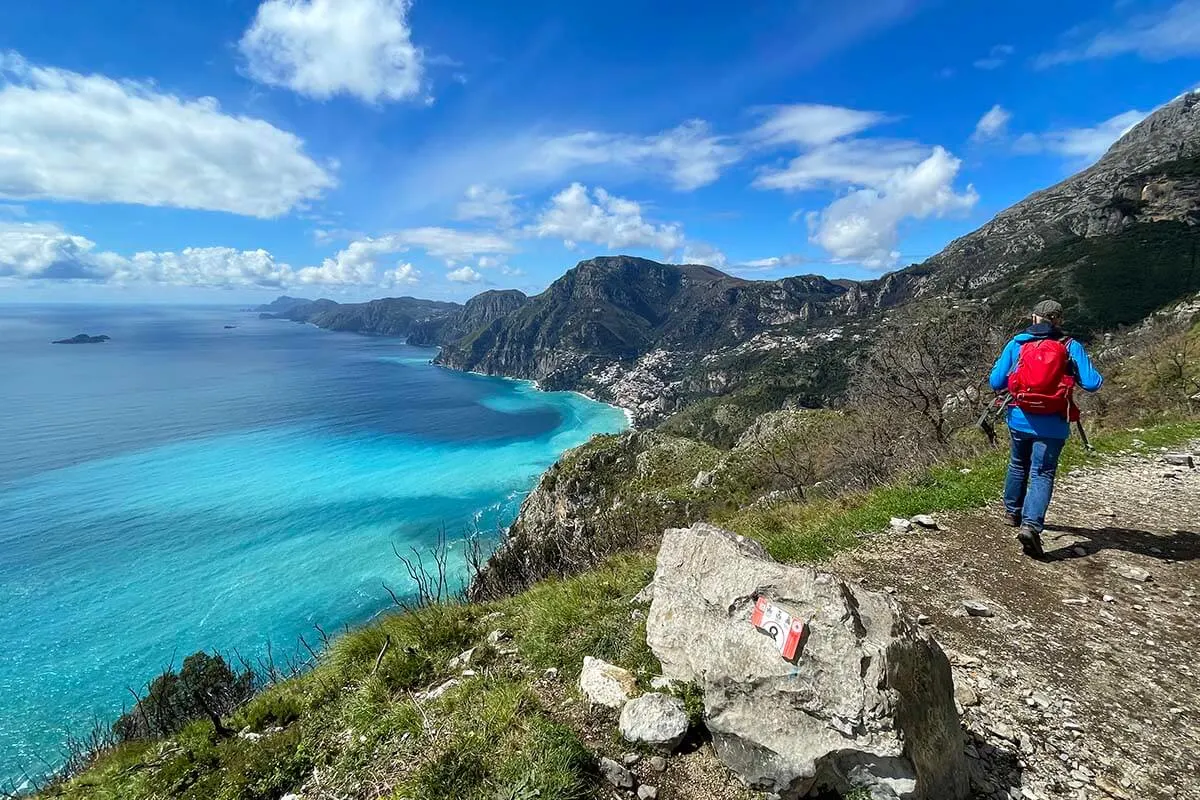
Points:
(787, 630)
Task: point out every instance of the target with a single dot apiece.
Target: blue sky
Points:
(229, 151)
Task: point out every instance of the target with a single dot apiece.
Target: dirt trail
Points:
(1086, 681)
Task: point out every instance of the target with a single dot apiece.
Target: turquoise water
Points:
(185, 486)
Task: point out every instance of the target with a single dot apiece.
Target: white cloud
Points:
(885, 181)
(464, 275)
(322, 48)
(773, 262)
(992, 125)
(1153, 36)
(363, 259)
(33, 251)
(853, 161)
(203, 266)
(997, 57)
(863, 226)
(1081, 146)
(489, 203)
(687, 157)
(808, 124)
(88, 138)
(43, 251)
(704, 253)
(451, 243)
(402, 275)
(608, 220)
(356, 264)
(690, 155)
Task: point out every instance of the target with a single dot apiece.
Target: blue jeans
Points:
(1030, 480)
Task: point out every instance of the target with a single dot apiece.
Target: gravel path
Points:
(1085, 680)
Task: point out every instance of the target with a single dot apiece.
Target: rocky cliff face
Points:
(390, 316)
(471, 321)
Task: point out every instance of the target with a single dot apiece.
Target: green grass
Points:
(558, 622)
(490, 737)
(819, 529)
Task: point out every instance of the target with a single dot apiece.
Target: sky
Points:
(232, 150)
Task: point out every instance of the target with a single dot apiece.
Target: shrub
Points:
(205, 687)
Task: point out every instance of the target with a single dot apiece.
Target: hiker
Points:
(1040, 369)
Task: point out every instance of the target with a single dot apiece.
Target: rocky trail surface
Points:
(1077, 676)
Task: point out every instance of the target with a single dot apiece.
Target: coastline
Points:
(630, 417)
(628, 412)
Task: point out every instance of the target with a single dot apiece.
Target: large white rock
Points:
(606, 684)
(868, 702)
(654, 719)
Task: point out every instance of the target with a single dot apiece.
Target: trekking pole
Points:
(1083, 437)
(986, 420)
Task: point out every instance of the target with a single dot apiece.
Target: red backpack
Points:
(1042, 383)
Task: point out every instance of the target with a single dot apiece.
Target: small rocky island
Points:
(82, 338)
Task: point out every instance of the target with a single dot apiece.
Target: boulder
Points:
(605, 684)
(654, 719)
(1131, 573)
(1179, 459)
(616, 774)
(866, 702)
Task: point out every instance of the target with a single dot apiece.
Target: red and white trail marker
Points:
(787, 631)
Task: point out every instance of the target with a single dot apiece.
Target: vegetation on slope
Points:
(1106, 282)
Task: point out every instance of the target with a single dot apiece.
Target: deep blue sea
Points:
(188, 486)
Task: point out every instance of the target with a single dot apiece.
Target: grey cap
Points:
(1048, 309)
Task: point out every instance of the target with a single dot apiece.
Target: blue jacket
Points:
(1046, 426)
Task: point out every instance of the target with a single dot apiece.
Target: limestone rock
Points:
(605, 684)
(975, 608)
(654, 719)
(1131, 573)
(644, 596)
(647, 793)
(462, 660)
(616, 774)
(868, 702)
(1179, 459)
(925, 521)
(438, 691)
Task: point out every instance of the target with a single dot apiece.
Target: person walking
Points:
(1040, 369)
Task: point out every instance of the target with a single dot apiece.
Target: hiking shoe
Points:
(1031, 541)
(1012, 519)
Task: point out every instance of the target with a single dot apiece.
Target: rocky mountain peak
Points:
(1172, 132)
(1151, 174)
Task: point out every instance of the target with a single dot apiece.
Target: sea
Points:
(211, 480)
